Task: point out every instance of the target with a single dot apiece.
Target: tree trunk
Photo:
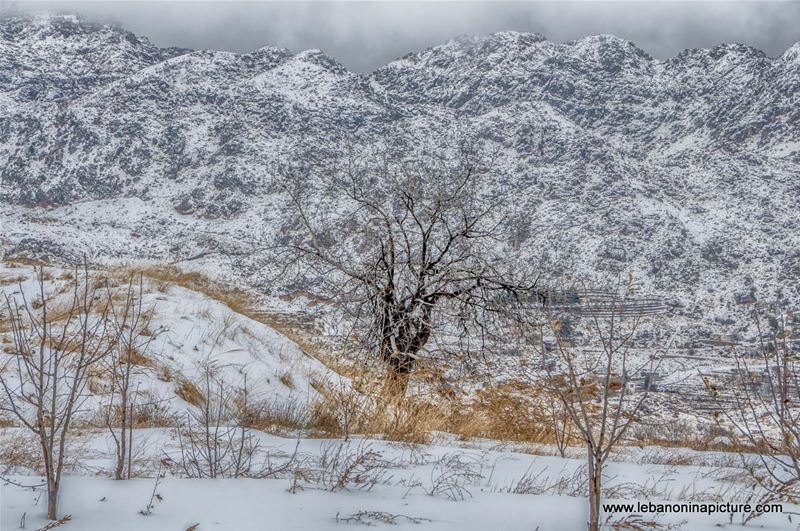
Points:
(399, 365)
(52, 501)
(122, 445)
(595, 479)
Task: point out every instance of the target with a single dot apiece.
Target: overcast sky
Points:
(365, 35)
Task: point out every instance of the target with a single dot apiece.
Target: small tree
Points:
(55, 346)
(762, 404)
(130, 325)
(590, 380)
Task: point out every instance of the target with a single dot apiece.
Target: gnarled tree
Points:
(411, 245)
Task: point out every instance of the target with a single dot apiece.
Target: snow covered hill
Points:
(192, 335)
(682, 172)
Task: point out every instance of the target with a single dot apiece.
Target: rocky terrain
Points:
(681, 172)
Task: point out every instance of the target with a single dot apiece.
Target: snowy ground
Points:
(491, 480)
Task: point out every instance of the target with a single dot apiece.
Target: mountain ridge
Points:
(682, 171)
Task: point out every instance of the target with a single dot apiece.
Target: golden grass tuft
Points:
(509, 412)
(134, 357)
(371, 410)
(12, 280)
(286, 379)
(189, 392)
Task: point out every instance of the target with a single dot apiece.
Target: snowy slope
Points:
(191, 332)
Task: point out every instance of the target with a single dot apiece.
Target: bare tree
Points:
(762, 404)
(591, 380)
(411, 244)
(130, 325)
(56, 343)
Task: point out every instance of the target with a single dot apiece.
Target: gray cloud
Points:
(365, 35)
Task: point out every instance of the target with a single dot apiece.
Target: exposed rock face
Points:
(685, 172)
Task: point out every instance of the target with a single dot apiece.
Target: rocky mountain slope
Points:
(682, 172)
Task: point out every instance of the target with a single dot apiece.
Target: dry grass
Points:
(164, 373)
(189, 392)
(502, 413)
(152, 414)
(344, 411)
(12, 280)
(273, 415)
(237, 300)
(134, 357)
(286, 379)
(511, 412)
(98, 381)
(703, 438)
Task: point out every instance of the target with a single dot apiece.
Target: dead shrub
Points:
(453, 474)
(541, 483)
(20, 453)
(350, 465)
(370, 518)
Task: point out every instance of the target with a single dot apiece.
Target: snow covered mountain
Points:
(683, 172)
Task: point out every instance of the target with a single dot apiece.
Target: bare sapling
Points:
(130, 324)
(762, 405)
(56, 340)
(215, 437)
(593, 379)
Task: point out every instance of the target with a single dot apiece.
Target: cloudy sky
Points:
(364, 35)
